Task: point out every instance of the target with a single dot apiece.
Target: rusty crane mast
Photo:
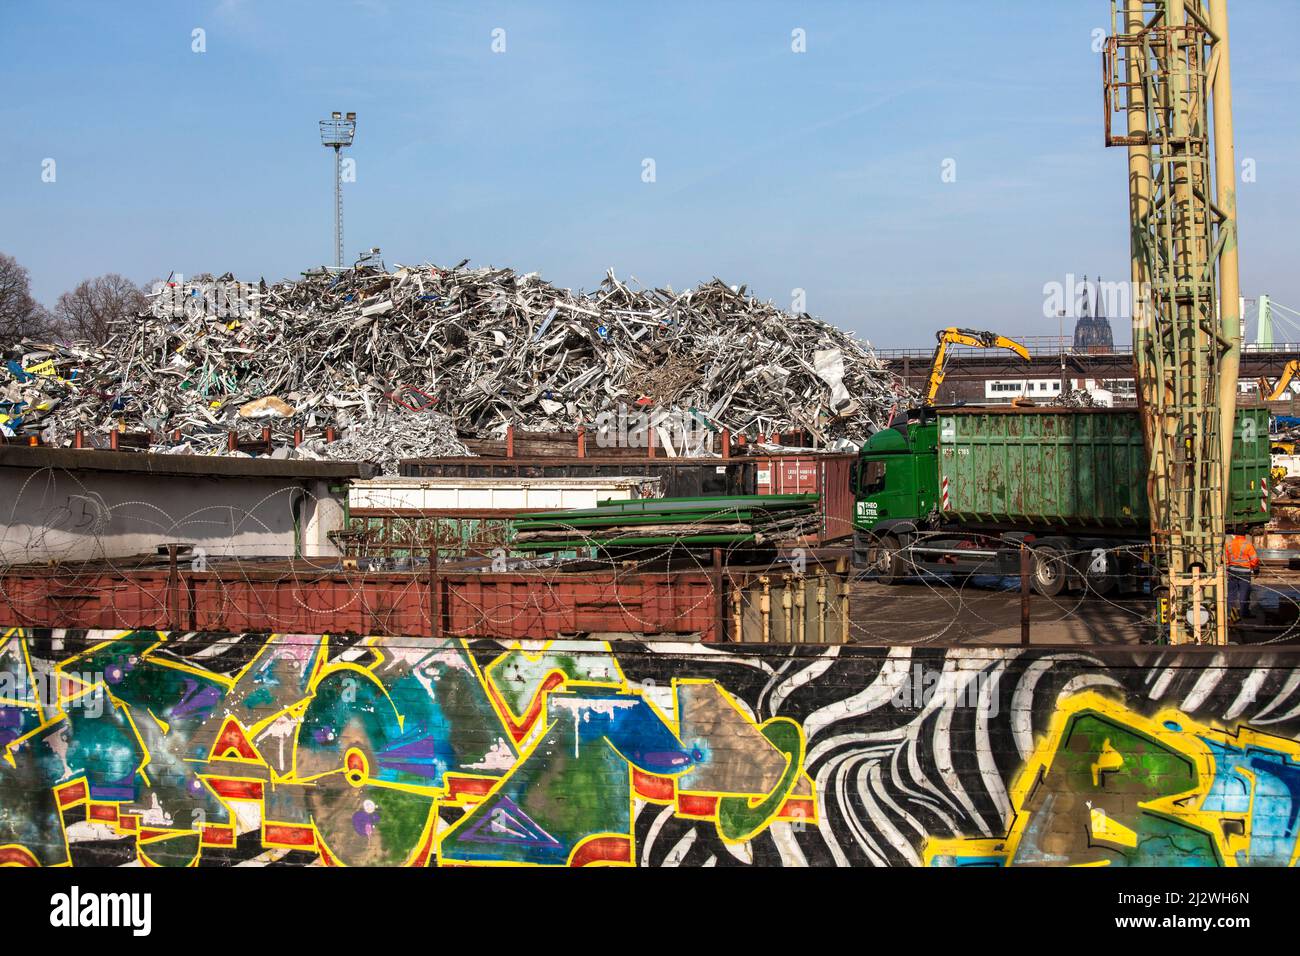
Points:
(1167, 74)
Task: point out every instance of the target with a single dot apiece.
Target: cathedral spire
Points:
(1092, 331)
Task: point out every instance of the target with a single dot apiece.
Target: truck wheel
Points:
(1103, 585)
(1049, 571)
(887, 560)
(1104, 582)
(1098, 568)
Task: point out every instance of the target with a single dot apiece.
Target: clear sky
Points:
(819, 170)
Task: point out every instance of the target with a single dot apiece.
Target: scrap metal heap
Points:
(365, 349)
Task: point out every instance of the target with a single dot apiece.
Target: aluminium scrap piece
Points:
(486, 347)
(390, 438)
(40, 379)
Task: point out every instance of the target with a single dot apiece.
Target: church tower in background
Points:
(1092, 333)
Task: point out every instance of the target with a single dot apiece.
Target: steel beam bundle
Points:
(731, 521)
(1165, 62)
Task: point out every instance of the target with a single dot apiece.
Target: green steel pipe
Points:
(706, 500)
(691, 517)
(702, 539)
(670, 505)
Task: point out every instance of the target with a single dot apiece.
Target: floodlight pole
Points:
(337, 132)
(338, 206)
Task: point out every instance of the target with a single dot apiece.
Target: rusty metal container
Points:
(827, 475)
(736, 604)
(1073, 467)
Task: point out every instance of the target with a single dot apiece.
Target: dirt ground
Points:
(988, 612)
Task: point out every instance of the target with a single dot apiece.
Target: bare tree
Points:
(20, 314)
(96, 307)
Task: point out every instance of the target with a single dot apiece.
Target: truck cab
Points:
(899, 501)
(895, 479)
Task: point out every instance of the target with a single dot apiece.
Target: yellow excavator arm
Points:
(975, 339)
(1276, 391)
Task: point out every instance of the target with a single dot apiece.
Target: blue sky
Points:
(818, 170)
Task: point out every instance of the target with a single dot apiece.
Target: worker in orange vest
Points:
(1243, 561)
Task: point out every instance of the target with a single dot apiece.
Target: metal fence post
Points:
(435, 597)
(719, 596)
(1024, 594)
(173, 581)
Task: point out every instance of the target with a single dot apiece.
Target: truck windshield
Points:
(873, 477)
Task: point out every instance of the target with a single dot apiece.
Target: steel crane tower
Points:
(1166, 71)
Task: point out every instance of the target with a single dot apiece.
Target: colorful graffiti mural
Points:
(1109, 787)
(352, 749)
(179, 749)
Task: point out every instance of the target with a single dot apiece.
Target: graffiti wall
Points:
(176, 749)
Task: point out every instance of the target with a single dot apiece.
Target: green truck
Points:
(961, 489)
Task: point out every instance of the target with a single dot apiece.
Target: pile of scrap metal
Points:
(712, 522)
(363, 349)
(1284, 445)
(36, 379)
(1074, 398)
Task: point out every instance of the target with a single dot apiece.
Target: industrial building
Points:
(66, 504)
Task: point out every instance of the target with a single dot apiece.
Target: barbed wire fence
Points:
(72, 557)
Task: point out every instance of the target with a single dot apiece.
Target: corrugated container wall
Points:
(1077, 467)
(829, 476)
